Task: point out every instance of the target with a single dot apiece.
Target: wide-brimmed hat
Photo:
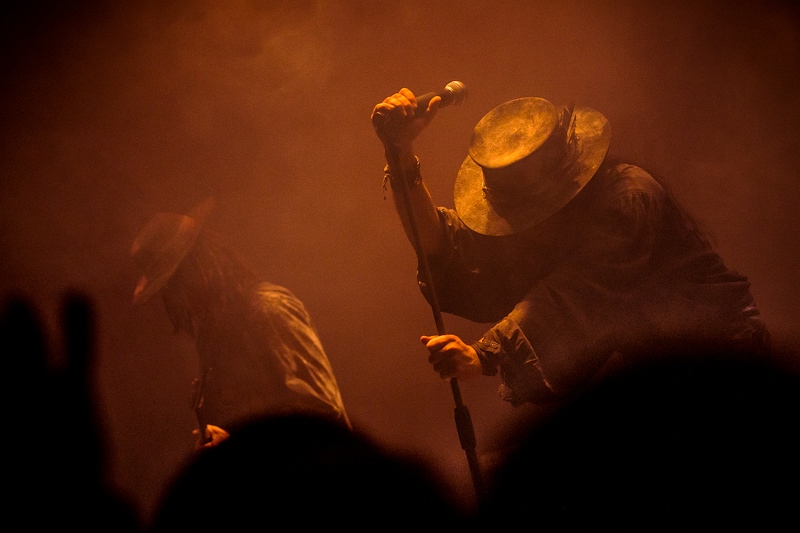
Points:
(527, 159)
(161, 246)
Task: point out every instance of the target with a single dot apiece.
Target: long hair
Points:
(678, 212)
(211, 282)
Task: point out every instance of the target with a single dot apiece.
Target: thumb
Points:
(425, 339)
(433, 108)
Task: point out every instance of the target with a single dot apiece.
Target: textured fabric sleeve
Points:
(295, 343)
(505, 347)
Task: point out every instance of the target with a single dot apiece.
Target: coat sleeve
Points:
(294, 341)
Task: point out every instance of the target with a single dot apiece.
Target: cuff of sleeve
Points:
(488, 352)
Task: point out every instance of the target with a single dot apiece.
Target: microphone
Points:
(454, 93)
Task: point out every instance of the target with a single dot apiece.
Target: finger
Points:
(401, 101)
(434, 343)
(439, 342)
(442, 357)
(390, 106)
(397, 100)
(383, 108)
(406, 93)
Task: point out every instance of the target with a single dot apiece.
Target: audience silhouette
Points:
(304, 472)
(702, 439)
(53, 453)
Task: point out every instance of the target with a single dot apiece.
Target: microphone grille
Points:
(458, 92)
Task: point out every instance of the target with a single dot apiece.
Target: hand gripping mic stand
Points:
(466, 432)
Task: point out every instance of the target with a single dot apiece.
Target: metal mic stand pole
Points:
(466, 432)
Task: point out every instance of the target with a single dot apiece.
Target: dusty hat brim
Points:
(591, 138)
(162, 245)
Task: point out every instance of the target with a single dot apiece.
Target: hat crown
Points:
(512, 131)
(522, 148)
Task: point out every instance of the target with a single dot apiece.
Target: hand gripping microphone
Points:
(454, 93)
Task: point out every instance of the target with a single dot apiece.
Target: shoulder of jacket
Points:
(627, 179)
(270, 297)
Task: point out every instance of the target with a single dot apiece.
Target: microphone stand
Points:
(198, 398)
(466, 432)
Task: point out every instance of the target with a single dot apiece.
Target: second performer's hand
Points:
(216, 435)
(395, 121)
(451, 357)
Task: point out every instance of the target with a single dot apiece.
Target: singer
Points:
(583, 263)
(258, 352)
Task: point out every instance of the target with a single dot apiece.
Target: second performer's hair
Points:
(212, 281)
